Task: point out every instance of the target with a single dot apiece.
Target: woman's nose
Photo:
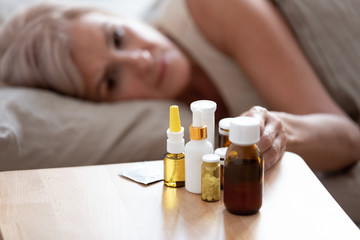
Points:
(139, 59)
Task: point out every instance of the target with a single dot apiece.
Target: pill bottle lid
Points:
(211, 158)
(244, 130)
(204, 105)
(224, 126)
(221, 152)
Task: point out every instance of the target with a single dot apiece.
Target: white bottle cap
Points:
(224, 126)
(211, 158)
(208, 109)
(205, 105)
(221, 152)
(244, 131)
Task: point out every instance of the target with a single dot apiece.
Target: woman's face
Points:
(119, 58)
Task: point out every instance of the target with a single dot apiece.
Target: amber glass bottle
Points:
(224, 126)
(174, 170)
(221, 152)
(244, 168)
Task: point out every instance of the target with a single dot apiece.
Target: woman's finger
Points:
(272, 135)
(275, 153)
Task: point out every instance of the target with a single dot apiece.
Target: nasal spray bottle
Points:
(194, 150)
(174, 161)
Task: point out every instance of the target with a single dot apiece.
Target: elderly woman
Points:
(93, 55)
(237, 53)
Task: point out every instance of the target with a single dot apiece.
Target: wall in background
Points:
(129, 8)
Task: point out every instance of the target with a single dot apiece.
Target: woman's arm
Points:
(256, 36)
(327, 142)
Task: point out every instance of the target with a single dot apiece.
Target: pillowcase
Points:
(42, 129)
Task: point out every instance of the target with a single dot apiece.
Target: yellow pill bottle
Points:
(210, 178)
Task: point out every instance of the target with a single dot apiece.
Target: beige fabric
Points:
(235, 89)
(40, 129)
(344, 187)
(329, 33)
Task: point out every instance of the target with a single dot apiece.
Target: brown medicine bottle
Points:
(244, 168)
(221, 152)
(224, 126)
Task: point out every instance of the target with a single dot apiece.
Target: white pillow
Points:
(41, 129)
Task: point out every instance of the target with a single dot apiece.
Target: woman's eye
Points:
(111, 82)
(118, 37)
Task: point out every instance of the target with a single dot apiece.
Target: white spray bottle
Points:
(194, 150)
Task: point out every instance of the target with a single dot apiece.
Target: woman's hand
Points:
(272, 135)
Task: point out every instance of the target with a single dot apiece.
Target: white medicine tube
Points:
(208, 109)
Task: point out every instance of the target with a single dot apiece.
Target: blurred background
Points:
(129, 8)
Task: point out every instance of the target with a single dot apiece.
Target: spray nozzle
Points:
(197, 118)
(198, 129)
(174, 121)
(175, 133)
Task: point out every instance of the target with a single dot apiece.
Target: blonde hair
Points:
(35, 48)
